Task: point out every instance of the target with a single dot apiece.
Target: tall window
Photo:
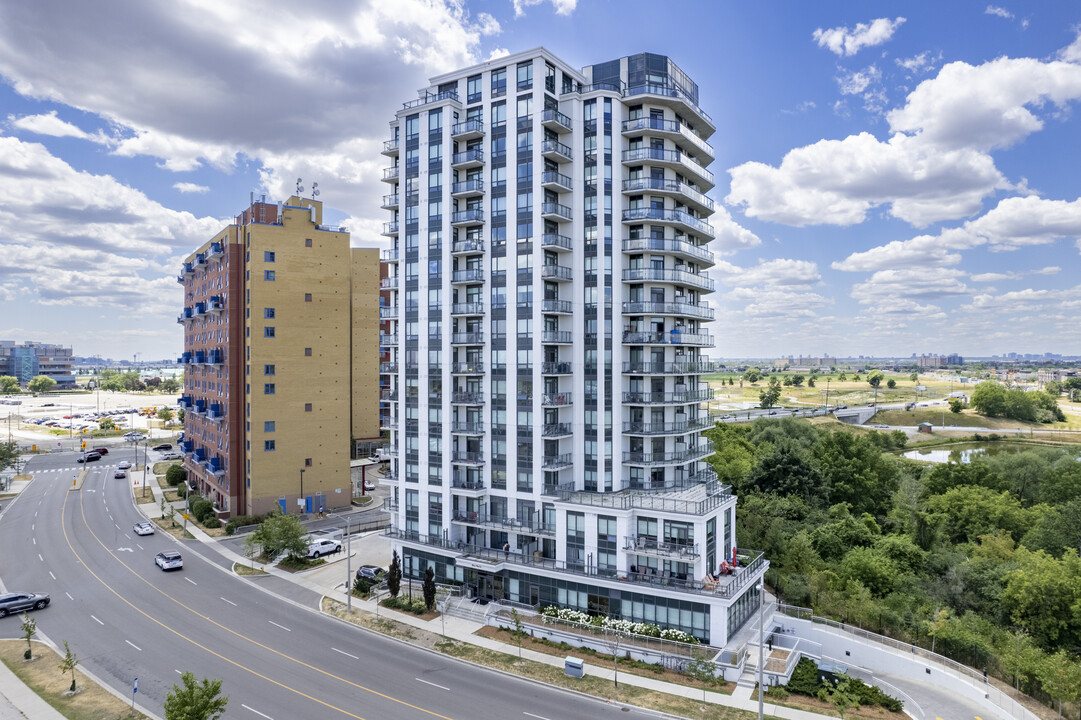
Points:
(525, 76)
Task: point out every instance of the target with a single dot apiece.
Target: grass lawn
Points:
(968, 418)
(90, 702)
(240, 569)
(160, 468)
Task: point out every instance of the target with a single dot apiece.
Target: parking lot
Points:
(35, 419)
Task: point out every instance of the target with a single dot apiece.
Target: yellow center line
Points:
(280, 654)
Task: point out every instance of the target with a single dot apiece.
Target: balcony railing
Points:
(681, 217)
(390, 174)
(672, 428)
(468, 398)
(468, 338)
(555, 209)
(467, 308)
(556, 149)
(555, 272)
(645, 184)
(390, 146)
(554, 430)
(554, 240)
(468, 458)
(472, 216)
(555, 120)
(388, 368)
(667, 458)
(691, 310)
(387, 340)
(468, 128)
(390, 228)
(388, 312)
(468, 368)
(561, 307)
(557, 462)
(644, 124)
(556, 368)
(556, 399)
(559, 337)
(673, 368)
(501, 521)
(473, 156)
(668, 245)
(652, 546)
(467, 428)
(668, 398)
(675, 275)
(551, 177)
(468, 187)
(468, 276)
(389, 283)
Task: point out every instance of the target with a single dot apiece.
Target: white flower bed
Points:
(621, 626)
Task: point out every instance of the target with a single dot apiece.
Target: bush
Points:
(182, 490)
(212, 523)
(362, 586)
(804, 680)
(202, 509)
(777, 692)
(175, 475)
(415, 606)
(239, 521)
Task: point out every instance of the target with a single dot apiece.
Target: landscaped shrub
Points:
(202, 509)
(415, 606)
(623, 626)
(805, 681)
(212, 523)
(175, 475)
(239, 521)
(362, 586)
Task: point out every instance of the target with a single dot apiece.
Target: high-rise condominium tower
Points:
(547, 341)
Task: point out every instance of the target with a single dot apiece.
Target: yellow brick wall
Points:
(322, 379)
(365, 328)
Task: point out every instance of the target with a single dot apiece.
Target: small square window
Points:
(307, 462)
(268, 256)
(268, 275)
(268, 331)
(307, 407)
(307, 242)
(307, 297)
(307, 352)
(268, 369)
(268, 426)
(268, 444)
(268, 388)
(268, 313)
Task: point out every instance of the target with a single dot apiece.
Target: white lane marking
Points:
(129, 642)
(33, 525)
(41, 558)
(99, 622)
(281, 626)
(256, 712)
(117, 526)
(191, 581)
(343, 652)
(69, 596)
(432, 684)
(177, 671)
(36, 512)
(539, 717)
(35, 540)
(139, 546)
(227, 600)
(51, 575)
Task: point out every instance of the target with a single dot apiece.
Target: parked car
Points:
(369, 485)
(882, 426)
(89, 457)
(14, 602)
(370, 572)
(324, 547)
(172, 456)
(124, 465)
(169, 560)
(143, 528)
(163, 446)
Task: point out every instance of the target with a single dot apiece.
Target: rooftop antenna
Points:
(300, 188)
(315, 190)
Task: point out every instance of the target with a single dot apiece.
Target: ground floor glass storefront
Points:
(537, 590)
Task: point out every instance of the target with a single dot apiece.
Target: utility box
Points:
(573, 667)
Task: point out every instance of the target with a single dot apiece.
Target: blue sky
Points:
(892, 178)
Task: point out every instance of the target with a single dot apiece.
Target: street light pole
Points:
(301, 505)
(348, 568)
(761, 642)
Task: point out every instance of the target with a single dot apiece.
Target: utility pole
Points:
(348, 567)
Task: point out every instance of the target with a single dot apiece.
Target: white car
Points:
(369, 485)
(143, 528)
(124, 465)
(324, 547)
(169, 560)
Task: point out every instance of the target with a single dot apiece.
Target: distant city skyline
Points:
(889, 177)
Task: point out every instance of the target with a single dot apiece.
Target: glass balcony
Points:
(556, 307)
(474, 157)
(466, 188)
(388, 368)
(671, 428)
(474, 397)
(467, 308)
(668, 398)
(555, 120)
(680, 248)
(557, 430)
(467, 130)
(669, 187)
(470, 275)
(556, 272)
(388, 340)
(390, 229)
(557, 462)
(390, 147)
(556, 337)
(673, 129)
(390, 174)
(389, 283)
(468, 368)
(682, 309)
(673, 275)
(388, 312)
(462, 457)
(553, 241)
(472, 216)
(556, 181)
(670, 158)
(560, 399)
(555, 211)
(555, 150)
(674, 368)
(668, 458)
(475, 337)
(390, 201)
(556, 368)
(468, 428)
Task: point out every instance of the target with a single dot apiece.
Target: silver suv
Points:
(16, 602)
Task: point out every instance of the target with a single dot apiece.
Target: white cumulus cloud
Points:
(562, 7)
(187, 187)
(1000, 11)
(49, 124)
(846, 41)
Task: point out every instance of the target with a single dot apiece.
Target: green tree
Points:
(752, 375)
(843, 377)
(175, 475)
(857, 472)
(1060, 676)
(733, 454)
(428, 588)
(29, 627)
(787, 381)
(282, 533)
(1043, 596)
(394, 575)
(170, 385)
(165, 414)
(9, 454)
(69, 663)
(798, 379)
(9, 385)
(841, 695)
(195, 700)
(989, 398)
(891, 383)
(872, 569)
(970, 511)
(914, 377)
(1052, 387)
(874, 378)
(811, 382)
(787, 468)
(107, 424)
(769, 395)
(180, 416)
(40, 384)
(956, 406)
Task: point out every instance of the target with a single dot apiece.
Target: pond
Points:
(964, 452)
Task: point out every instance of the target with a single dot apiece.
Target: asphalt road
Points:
(123, 617)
